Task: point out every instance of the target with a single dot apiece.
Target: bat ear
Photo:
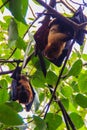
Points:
(53, 22)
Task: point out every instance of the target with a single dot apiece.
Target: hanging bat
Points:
(21, 90)
(41, 37)
(59, 37)
(56, 41)
(46, 40)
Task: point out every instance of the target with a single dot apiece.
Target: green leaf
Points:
(24, 7)
(20, 43)
(53, 121)
(18, 9)
(81, 100)
(22, 28)
(38, 79)
(40, 123)
(3, 91)
(1, 2)
(12, 33)
(12, 30)
(77, 120)
(17, 54)
(51, 78)
(66, 91)
(76, 68)
(74, 86)
(35, 2)
(15, 106)
(82, 81)
(65, 102)
(8, 116)
(2, 9)
(84, 56)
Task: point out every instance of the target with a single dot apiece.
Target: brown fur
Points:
(55, 43)
(24, 87)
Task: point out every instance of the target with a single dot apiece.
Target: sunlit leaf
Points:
(22, 28)
(3, 91)
(66, 91)
(84, 56)
(17, 54)
(2, 9)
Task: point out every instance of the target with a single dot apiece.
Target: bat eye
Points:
(54, 48)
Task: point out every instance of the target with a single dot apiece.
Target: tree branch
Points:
(6, 72)
(10, 61)
(63, 110)
(67, 21)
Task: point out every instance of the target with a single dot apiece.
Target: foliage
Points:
(72, 89)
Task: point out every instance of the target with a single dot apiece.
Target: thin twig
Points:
(68, 6)
(4, 4)
(32, 11)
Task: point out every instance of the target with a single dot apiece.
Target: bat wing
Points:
(29, 105)
(14, 90)
(79, 18)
